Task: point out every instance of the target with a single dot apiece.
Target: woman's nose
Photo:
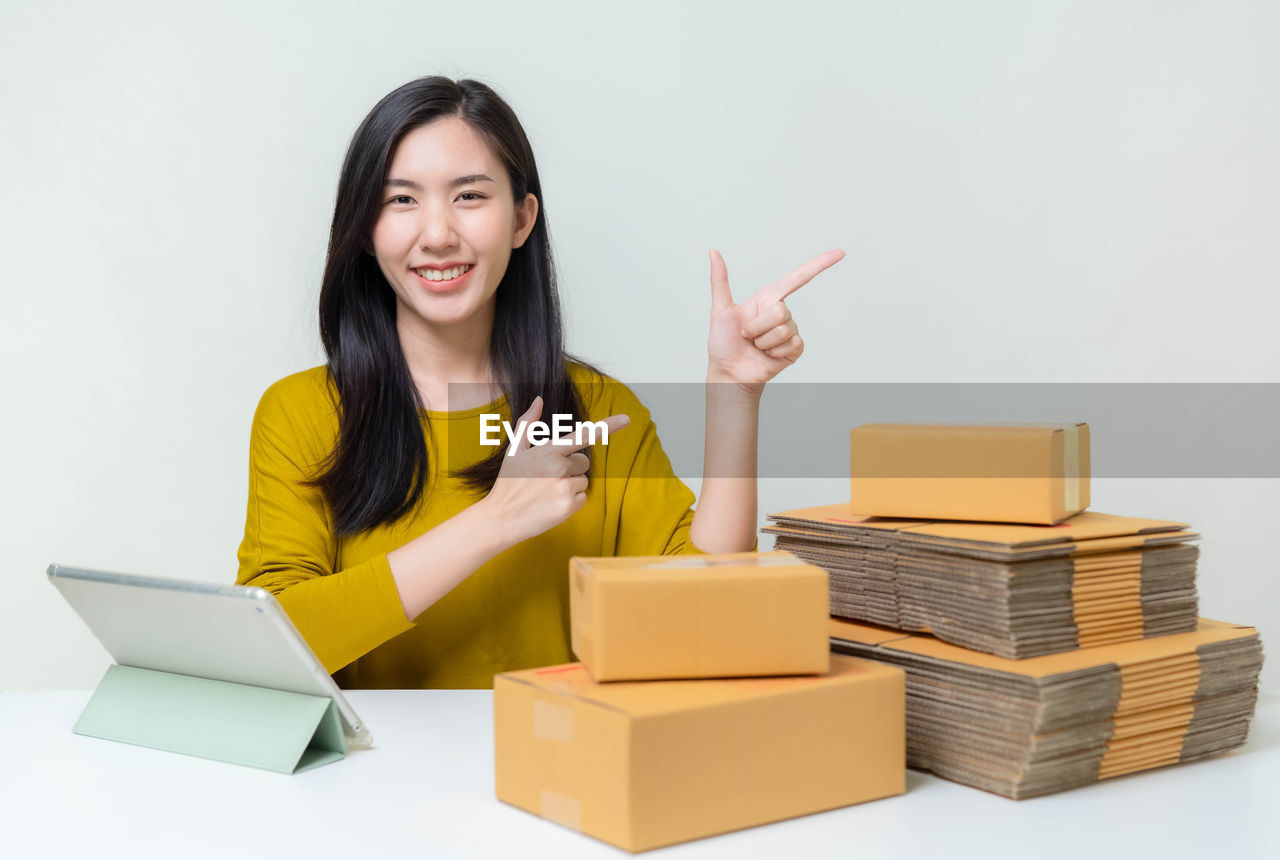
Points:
(436, 228)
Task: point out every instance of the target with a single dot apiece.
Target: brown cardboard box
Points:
(698, 616)
(651, 763)
(1013, 473)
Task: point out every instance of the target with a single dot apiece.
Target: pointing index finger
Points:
(798, 277)
(575, 441)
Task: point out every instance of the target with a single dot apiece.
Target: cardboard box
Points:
(1013, 473)
(651, 763)
(698, 616)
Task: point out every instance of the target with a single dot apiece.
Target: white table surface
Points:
(426, 790)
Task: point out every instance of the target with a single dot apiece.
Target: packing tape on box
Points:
(1146, 735)
(695, 561)
(552, 722)
(1071, 467)
(561, 809)
(1106, 598)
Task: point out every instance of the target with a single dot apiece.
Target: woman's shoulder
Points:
(308, 394)
(584, 375)
(602, 394)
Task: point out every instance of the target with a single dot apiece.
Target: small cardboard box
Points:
(651, 763)
(698, 616)
(1011, 473)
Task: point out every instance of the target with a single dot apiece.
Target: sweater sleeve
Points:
(289, 547)
(657, 507)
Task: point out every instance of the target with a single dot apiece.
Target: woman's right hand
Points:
(541, 486)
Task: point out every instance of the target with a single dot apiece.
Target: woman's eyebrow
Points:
(461, 180)
(467, 180)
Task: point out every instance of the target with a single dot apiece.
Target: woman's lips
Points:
(443, 286)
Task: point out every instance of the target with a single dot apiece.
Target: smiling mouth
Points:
(442, 275)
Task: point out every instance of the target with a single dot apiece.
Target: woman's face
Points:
(447, 226)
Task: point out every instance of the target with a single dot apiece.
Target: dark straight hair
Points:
(378, 469)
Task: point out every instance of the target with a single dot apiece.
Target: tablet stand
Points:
(238, 723)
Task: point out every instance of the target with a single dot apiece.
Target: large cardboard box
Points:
(651, 763)
(1012, 473)
(698, 616)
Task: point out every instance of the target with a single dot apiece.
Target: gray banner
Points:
(1137, 430)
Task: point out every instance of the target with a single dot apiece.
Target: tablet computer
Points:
(225, 632)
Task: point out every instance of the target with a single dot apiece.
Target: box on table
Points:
(699, 616)
(650, 763)
(1014, 473)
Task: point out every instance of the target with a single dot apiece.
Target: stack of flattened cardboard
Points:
(617, 749)
(1012, 590)
(1052, 648)
(1023, 728)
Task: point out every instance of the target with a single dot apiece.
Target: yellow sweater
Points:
(512, 613)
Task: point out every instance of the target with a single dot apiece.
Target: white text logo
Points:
(492, 427)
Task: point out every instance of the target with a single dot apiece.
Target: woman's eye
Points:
(471, 195)
(402, 200)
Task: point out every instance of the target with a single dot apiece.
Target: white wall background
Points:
(1057, 191)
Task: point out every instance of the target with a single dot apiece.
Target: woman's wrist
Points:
(724, 388)
(491, 525)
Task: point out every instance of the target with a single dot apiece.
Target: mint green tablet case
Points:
(238, 723)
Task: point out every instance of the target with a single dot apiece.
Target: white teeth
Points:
(442, 275)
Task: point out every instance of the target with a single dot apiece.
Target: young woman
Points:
(406, 552)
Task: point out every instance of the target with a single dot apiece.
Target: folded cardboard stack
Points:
(962, 539)
(1023, 728)
(641, 763)
(1011, 590)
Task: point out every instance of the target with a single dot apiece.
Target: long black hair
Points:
(378, 470)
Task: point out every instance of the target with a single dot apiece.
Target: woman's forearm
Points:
(538, 488)
(748, 345)
(429, 566)
(725, 518)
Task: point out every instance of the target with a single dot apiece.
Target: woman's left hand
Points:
(750, 343)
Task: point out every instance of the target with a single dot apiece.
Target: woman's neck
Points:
(444, 356)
